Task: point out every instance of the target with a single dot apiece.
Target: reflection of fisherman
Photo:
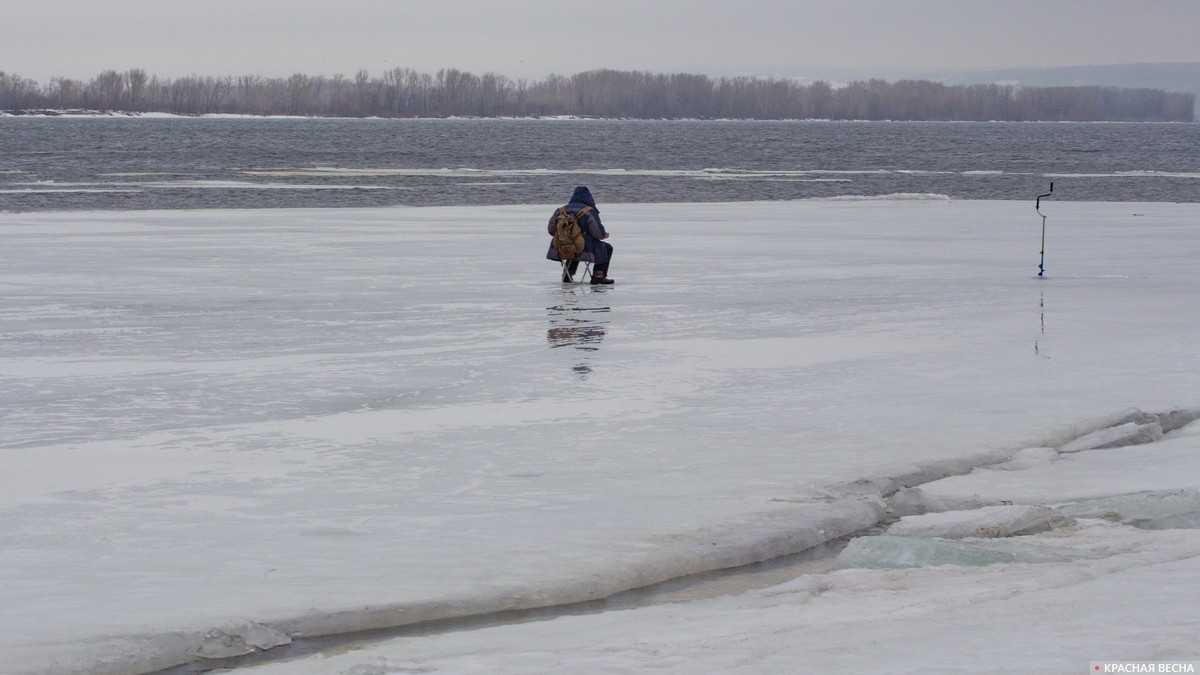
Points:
(579, 334)
(595, 250)
(578, 325)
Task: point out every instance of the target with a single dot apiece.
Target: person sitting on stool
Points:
(594, 248)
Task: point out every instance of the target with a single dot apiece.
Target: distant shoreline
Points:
(78, 113)
(603, 93)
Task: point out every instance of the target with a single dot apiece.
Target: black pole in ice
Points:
(1037, 206)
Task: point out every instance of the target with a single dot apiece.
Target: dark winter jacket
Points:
(593, 230)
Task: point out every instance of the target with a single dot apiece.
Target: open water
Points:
(188, 163)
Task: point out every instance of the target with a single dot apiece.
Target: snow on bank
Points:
(252, 426)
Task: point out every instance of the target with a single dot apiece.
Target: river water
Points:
(116, 163)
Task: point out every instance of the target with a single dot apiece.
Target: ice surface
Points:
(1163, 466)
(1129, 433)
(1153, 510)
(329, 420)
(1119, 593)
(913, 501)
(989, 521)
(1119, 418)
(239, 641)
(1174, 420)
(890, 552)
(1029, 458)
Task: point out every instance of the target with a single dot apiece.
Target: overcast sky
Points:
(41, 39)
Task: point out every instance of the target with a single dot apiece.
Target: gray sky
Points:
(41, 39)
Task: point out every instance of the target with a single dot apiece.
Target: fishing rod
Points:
(1037, 206)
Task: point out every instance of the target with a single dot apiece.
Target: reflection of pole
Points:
(1042, 307)
(1037, 205)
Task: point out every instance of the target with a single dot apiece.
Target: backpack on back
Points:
(568, 237)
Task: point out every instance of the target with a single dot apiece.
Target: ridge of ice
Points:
(1177, 419)
(832, 512)
(239, 641)
(1130, 433)
(935, 528)
(986, 522)
(1028, 458)
(1152, 510)
(890, 551)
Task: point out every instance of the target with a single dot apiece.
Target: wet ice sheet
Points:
(215, 417)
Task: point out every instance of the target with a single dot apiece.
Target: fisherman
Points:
(595, 249)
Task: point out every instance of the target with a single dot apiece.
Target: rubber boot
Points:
(599, 278)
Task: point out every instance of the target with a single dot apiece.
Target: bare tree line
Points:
(403, 92)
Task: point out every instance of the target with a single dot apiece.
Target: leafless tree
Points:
(404, 92)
